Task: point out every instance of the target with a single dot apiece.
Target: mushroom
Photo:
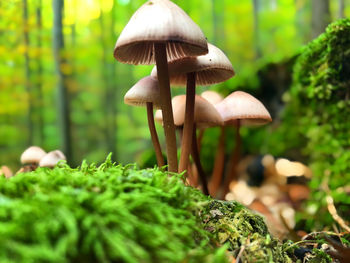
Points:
(31, 157)
(237, 109)
(146, 93)
(208, 69)
(205, 115)
(6, 171)
(214, 98)
(52, 158)
(160, 31)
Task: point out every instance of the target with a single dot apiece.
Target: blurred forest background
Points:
(60, 86)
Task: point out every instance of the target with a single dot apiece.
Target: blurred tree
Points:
(108, 82)
(341, 8)
(256, 9)
(63, 96)
(320, 16)
(39, 72)
(27, 72)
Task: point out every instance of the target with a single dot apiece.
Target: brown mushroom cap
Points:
(211, 68)
(159, 21)
(205, 114)
(145, 90)
(212, 96)
(32, 155)
(52, 158)
(242, 106)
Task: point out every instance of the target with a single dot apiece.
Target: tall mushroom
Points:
(160, 31)
(237, 109)
(146, 93)
(208, 69)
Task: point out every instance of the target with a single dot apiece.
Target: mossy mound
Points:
(244, 232)
(102, 214)
(113, 213)
(318, 109)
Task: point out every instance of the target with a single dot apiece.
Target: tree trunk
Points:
(256, 8)
(27, 72)
(113, 98)
(63, 96)
(341, 9)
(40, 100)
(320, 17)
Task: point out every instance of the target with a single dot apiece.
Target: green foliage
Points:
(102, 214)
(97, 82)
(318, 109)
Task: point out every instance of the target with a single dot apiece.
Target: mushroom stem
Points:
(200, 138)
(197, 161)
(218, 169)
(189, 120)
(154, 135)
(165, 96)
(234, 160)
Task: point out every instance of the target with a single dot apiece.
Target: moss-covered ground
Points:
(112, 213)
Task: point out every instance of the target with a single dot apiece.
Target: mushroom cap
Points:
(52, 158)
(145, 90)
(159, 21)
(205, 114)
(158, 116)
(242, 106)
(32, 155)
(211, 68)
(6, 171)
(212, 96)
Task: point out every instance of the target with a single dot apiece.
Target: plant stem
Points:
(154, 136)
(165, 95)
(218, 164)
(197, 161)
(234, 160)
(189, 120)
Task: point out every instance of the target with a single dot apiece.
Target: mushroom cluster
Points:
(34, 157)
(161, 33)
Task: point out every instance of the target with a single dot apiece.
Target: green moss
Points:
(102, 214)
(113, 213)
(318, 110)
(240, 229)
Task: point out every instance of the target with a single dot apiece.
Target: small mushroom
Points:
(205, 115)
(240, 108)
(52, 158)
(30, 158)
(6, 171)
(146, 93)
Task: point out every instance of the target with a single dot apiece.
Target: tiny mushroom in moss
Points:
(52, 158)
(6, 171)
(30, 158)
(158, 32)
